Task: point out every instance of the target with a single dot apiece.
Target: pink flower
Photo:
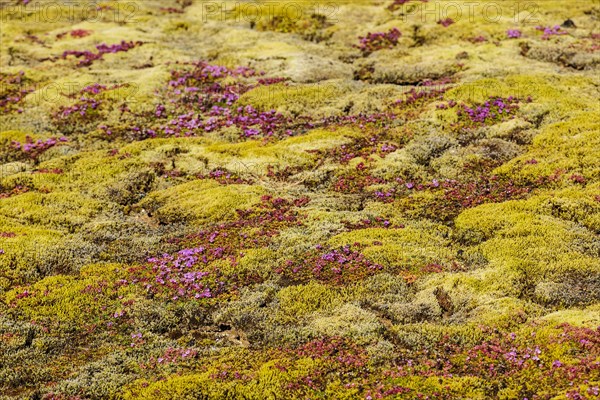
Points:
(446, 22)
(513, 33)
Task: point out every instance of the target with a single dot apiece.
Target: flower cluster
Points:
(89, 57)
(446, 22)
(202, 99)
(335, 356)
(378, 40)
(14, 191)
(417, 98)
(477, 39)
(335, 349)
(12, 91)
(460, 195)
(178, 274)
(192, 273)
(375, 121)
(376, 222)
(251, 122)
(336, 266)
(76, 33)
(355, 182)
(550, 31)
(171, 356)
(492, 111)
(201, 86)
(90, 106)
(34, 148)
(84, 106)
(513, 33)
(358, 147)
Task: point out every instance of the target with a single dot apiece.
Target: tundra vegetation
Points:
(348, 200)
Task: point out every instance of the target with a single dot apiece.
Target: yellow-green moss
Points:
(294, 99)
(200, 202)
(63, 300)
(401, 248)
(298, 301)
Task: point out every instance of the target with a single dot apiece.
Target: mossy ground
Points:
(323, 222)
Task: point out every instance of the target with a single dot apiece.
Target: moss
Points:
(402, 164)
(247, 159)
(563, 55)
(347, 321)
(569, 146)
(269, 382)
(55, 210)
(559, 95)
(445, 292)
(530, 245)
(407, 249)
(63, 299)
(257, 262)
(587, 317)
(414, 70)
(298, 301)
(573, 204)
(382, 289)
(297, 99)
(198, 202)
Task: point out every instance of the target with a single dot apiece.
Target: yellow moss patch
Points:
(201, 201)
(571, 146)
(63, 299)
(403, 248)
(298, 301)
(297, 99)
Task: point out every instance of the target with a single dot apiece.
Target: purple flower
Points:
(513, 33)
(550, 31)
(378, 40)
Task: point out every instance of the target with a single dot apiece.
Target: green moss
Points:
(531, 246)
(257, 262)
(199, 202)
(63, 299)
(347, 321)
(268, 382)
(406, 248)
(571, 146)
(55, 210)
(559, 95)
(296, 99)
(298, 301)
(588, 317)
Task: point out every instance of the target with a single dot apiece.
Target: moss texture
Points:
(256, 200)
